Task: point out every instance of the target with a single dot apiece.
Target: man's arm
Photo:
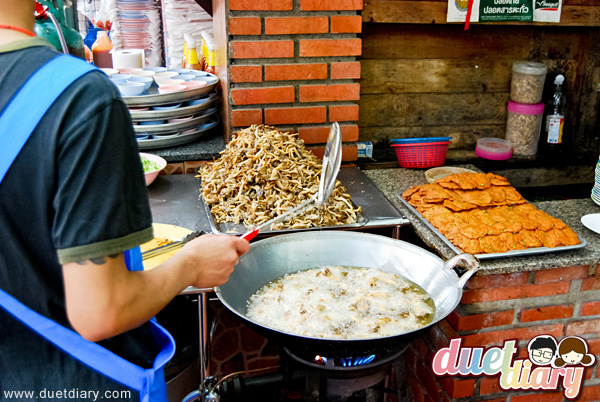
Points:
(104, 299)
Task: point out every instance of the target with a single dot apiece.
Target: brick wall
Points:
(494, 308)
(291, 64)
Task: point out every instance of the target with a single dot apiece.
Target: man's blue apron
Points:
(150, 383)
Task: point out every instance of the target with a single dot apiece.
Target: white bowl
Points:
(147, 81)
(169, 83)
(109, 71)
(143, 73)
(162, 163)
(166, 75)
(131, 88)
(440, 172)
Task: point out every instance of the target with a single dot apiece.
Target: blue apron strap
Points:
(44, 91)
(148, 382)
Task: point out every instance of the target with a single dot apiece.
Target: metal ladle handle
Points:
(332, 160)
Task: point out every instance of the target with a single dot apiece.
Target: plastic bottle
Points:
(208, 51)
(101, 51)
(192, 56)
(186, 40)
(555, 121)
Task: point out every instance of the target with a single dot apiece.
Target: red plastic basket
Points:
(421, 155)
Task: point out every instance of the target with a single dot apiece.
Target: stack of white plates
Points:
(596, 189)
(137, 25)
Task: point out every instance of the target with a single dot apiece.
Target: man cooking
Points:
(73, 210)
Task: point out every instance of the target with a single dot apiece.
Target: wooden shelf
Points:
(434, 12)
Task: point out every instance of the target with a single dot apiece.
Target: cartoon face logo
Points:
(542, 349)
(573, 350)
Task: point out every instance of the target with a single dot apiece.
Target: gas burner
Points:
(355, 363)
(345, 361)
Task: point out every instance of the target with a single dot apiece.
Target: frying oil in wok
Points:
(340, 302)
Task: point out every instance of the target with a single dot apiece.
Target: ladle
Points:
(332, 159)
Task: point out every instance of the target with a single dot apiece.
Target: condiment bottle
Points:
(555, 121)
(192, 56)
(186, 38)
(101, 51)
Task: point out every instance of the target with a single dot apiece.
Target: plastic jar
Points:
(523, 126)
(527, 83)
(495, 149)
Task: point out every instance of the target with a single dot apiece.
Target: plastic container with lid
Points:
(527, 83)
(495, 149)
(523, 126)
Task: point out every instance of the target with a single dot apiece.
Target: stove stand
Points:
(310, 379)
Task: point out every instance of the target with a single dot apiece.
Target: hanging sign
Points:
(504, 10)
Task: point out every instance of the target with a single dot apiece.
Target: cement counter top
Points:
(392, 182)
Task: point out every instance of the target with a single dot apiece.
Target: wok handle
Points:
(471, 262)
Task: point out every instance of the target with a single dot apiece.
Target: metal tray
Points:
(175, 127)
(153, 98)
(149, 115)
(178, 139)
(512, 253)
(240, 228)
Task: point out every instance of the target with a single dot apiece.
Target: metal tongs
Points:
(171, 246)
(332, 159)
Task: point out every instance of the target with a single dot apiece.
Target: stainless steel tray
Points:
(178, 139)
(153, 97)
(149, 115)
(512, 253)
(240, 229)
(175, 127)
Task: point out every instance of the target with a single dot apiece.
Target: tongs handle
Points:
(292, 212)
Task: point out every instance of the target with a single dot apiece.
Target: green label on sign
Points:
(506, 10)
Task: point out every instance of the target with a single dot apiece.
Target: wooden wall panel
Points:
(422, 80)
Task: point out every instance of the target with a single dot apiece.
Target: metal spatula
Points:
(332, 160)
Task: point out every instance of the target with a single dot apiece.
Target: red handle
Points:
(250, 235)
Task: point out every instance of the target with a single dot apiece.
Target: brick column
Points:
(291, 64)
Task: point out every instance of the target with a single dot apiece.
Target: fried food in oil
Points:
(481, 213)
(262, 173)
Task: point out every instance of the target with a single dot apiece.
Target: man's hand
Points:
(104, 299)
(212, 258)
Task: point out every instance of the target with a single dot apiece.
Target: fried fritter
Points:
(481, 213)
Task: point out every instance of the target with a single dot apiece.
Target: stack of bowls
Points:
(596, 189)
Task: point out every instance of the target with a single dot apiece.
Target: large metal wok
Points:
(274, 257)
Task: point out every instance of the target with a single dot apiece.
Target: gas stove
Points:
(306, 377)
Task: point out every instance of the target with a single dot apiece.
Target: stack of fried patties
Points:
(481, 213)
